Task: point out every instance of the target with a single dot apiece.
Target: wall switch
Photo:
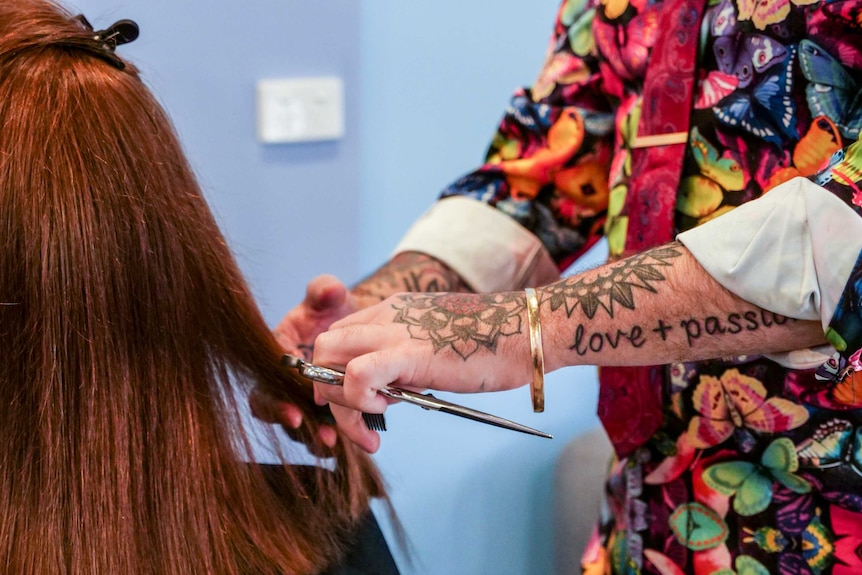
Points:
(300, 109)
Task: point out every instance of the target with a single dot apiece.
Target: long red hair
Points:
(125, 329)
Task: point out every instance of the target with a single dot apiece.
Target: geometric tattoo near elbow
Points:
(615, 284)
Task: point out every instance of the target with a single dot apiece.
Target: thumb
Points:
(325, 292)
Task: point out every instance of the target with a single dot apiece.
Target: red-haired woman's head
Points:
(125, 329)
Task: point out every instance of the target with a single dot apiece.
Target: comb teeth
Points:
(374, 421)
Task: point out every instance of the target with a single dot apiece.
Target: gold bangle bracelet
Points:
(537, 384)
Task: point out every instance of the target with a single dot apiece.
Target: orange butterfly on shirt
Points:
(838, 384)
(737, 401)
(765, 14)
(812, 152)
(526, 176)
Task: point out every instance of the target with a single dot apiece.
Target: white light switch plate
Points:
(300, 109)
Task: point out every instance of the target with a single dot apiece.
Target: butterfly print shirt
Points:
(757, 467)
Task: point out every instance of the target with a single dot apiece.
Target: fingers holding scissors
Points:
(371, 361)
(359, 426)
(352, 424)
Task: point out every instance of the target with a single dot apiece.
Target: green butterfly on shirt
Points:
(745, 565)
(702, 530)
(751, 484)
(578, 19)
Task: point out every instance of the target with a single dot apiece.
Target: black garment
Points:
(370, 553)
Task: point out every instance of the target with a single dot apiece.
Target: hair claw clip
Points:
(119, 33)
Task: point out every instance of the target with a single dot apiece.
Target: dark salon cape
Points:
(369, 553)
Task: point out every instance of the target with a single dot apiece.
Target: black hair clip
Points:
(118, 33)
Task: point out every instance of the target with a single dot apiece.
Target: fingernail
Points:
(328, 436)
(293, 417)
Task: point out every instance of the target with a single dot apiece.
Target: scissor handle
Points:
(313, 372)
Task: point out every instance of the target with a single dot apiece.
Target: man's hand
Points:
(326, 300)
(452, 342)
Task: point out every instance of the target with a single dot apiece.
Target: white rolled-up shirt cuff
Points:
(789, 252)
(489, 250)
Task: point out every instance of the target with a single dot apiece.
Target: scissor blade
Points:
(494, 420)
(428, 401)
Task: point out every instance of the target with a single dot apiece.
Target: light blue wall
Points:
(436, 77)
(289, 211)
(425, 84)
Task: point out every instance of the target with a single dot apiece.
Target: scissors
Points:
(424, 400)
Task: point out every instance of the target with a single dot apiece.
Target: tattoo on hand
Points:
(464, 323)
(411, 272)
(615, 285)
(306, 349)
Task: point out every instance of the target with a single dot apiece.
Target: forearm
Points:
(654, 308)
(408, 272)
(658, 307)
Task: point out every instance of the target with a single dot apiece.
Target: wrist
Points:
(556, 334)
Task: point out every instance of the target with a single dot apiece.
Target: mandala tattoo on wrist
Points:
(615, 284)
(465, 323)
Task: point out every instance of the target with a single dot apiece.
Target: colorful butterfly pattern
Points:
(700, 195)
(736, 401)
(836, 443)
(751, 484)
(832, 91)
(837, 384)
(764, 106)
(757, 468)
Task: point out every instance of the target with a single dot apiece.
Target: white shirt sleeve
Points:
(487, 248)
(789, 252)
